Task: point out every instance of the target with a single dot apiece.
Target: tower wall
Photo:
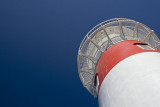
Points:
(129, 76)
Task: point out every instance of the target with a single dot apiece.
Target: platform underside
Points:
(104, 35)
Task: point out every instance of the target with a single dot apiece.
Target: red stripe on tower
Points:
(116, 53)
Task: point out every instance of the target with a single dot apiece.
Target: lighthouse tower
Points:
(119, 63)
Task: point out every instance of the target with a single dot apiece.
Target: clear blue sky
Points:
(39, 40)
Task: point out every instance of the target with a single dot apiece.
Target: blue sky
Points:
(39, 40)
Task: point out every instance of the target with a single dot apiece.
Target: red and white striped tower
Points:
(119, 63)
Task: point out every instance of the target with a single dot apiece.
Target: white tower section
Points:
(119, 61)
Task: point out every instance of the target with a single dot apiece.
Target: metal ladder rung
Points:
(85, 84)
(89, 57)
(121, 30)
(136, 31)
(87, 70)
(110, 41)
(146, 39)
(96, 45)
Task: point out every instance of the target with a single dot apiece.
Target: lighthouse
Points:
(119, 64)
